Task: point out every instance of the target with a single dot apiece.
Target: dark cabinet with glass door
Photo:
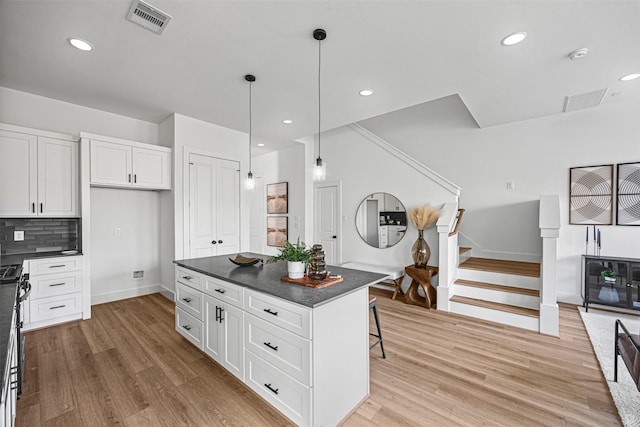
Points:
(612, 281)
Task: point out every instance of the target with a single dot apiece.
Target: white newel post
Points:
(549, 231)
(447, 255)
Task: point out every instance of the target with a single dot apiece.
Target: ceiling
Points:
(408, 52)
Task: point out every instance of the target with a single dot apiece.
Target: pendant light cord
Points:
(319, 109)
(250, 104)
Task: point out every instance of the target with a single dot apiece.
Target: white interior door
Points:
(214, 206)
(327, 225)
(202, 206)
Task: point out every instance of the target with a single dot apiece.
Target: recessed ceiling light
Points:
(287, 121)
(260, 144)
(81, 44)
(514, 38)
(366, 92)
(630, 77)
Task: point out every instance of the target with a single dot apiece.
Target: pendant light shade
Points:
(320, 167)
(250, 182)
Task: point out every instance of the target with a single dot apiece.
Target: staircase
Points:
(500, 291)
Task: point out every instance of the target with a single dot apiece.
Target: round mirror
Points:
(381, 220)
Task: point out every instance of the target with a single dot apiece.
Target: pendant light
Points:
(320, 168)
(250, 183)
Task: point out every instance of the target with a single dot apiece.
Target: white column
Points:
(549, 231)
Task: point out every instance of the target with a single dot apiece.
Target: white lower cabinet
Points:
(223, 335)
(310, 364)
(56, 291)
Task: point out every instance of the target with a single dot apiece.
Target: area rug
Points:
(600, 326)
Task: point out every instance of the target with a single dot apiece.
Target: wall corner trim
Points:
(404, 157)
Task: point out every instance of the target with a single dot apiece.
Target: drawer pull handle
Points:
(221, 291)
(272, 347)
(187, 300)
(57, 284)
(187, 277)
(57, 307)
(268, 310)
(56, 266)
(274, 390)
(187, 327)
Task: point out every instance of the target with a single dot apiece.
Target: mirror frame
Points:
(366, 220)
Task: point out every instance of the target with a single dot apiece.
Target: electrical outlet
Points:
(116, 231)
(18, 236)
(511, 185)
(138, 274)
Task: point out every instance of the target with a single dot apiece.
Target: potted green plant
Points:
(297, 256)
(609, 275)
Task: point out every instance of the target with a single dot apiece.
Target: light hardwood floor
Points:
(128, 366)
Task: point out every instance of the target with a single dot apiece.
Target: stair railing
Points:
(549, 223)
(447, 227)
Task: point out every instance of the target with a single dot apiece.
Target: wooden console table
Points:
(421, 277)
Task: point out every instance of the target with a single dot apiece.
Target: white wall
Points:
(115, 258)
(536, 155)
(282, 166)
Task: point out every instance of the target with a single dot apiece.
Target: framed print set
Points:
(277, 203)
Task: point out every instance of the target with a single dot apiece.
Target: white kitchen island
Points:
(304, 350)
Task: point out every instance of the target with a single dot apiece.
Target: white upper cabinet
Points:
(38, 174)
(120, 163)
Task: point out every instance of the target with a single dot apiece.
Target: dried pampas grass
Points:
(424, 216)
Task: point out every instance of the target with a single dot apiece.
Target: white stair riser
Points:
(517, 320)
(499, 278)
(501, 297)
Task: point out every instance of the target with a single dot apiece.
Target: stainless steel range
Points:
(13, 274)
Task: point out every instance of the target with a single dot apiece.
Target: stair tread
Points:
(496, 306)
(519, 268)
(462, 249)
(503, 288)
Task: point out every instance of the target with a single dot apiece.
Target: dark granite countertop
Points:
(266, 278)
(7, 302)
(19, 258)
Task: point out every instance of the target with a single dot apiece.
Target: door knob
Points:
(335, 237)
(219, 241)
(213, 242)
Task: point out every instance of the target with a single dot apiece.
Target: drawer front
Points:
(56, 306)
(289, 316)
(54, 265)
(283, 349)
(224, 291)
(286, 394)
(189, 327)
(189, 300)
(56, 284)
(188, 277)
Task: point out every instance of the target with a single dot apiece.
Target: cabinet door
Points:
(634, 286)
(151, 168)
(18, 174)
(111, 164)
(57, 177)
(232, 356)
(212, 329)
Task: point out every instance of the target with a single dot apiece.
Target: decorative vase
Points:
(317, 266)
(420, 251)
(295, 269)
(609, 279)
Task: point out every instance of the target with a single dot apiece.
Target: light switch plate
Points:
(18, 236)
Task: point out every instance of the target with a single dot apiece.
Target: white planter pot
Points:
(295, 269)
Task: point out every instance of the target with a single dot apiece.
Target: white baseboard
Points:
(127, 293)
(167, 293)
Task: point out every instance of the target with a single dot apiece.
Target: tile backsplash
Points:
(40, 234)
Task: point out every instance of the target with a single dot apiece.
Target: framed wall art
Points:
(278, 198)
(591, 195)
(628, 194)
(277, 230)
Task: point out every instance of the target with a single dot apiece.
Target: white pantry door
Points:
(327, 225)
(214, 206)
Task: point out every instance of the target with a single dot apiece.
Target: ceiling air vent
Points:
(584, 100)
(148, 16)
